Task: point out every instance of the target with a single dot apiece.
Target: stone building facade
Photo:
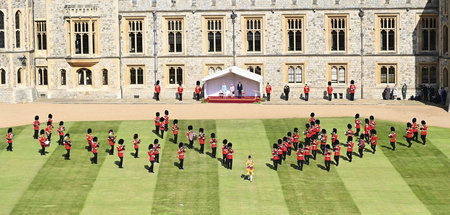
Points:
(84, 49)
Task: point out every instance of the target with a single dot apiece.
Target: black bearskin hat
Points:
(334, 130)
(312, 114)
(295, 129)
(352, 82)
(329, 83)
(36, 118)
(9, 130)
(324, 131)
(366, 121)
(161, 119)
(157, 82)
(275, 146)
(213, 135)
(289, 134)
(285, 139)
(190, 127)
(328, 146)
(150, 146)
(201, 130)
(120, 141)
(317, 122)
(50, 116)
(392, 129)
(166, 112)
(249, 156)
(349, 126)
(175, 121)
(95, 139)
(180, 145)
(313, 123)
(371, 117)
(414, 120)
(157, 114)
(135, 136)
(110, 131)
(357, 115)
(423, 122)
(279, 141)
(61, 123)
(230, 145)
(408, 124)
(42, 131)
(225, 141)
(156, 141)
(350, 138)
(67, 135)
(373, 131)
(89, 131)
(179, 83)
(198, 83)
(307, 125)
(49, 123)
(361, 136)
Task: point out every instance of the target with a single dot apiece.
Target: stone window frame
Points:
(378, 28)
(215, 66)
(445, 8)
(62, 80)
(18, 30)
(136, 84)
(41, 35)
(302, 19)
(127, 44)
(94, 49)
(2, 77)
(421, 19)
(338, 67)
(445, 77)
(105, 77)
(294, 65)
(261, 28)
(429, 76)
(20, 77)
(445, 40)
(2, 29)
(388, 66)
(42, 76)
(332, 26)
(254, 65)
(175, 66)
(85, 79)
(166, 31)
(206, 30)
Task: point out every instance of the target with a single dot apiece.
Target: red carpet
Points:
(228, 99)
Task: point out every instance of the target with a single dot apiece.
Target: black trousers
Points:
(287, 96)
(284, 155)
(329, 97)
(357, 132)
(374, 148)
(322, 147)
(180, 96)
(191, 144)
(393, 146)
(360, 152)
(327, 165)
(181, 164)
(336, 159)
(230, 163)
(61, 139)
(314, 153)
(295, 146)
(94, 159)
(289, 151)
(111, 151)
(352, 96)
(214, 151)
(162, 134)
(268, 97)
(239, 93)
(307, 159)
(415, 136)
(197, 96)
(121, 162)
(157, 158)
(300, 164)
(157, 129)
(175, 138)
(157, 96)
(275, 164)
(42, 150)
(89, 148)
(202, 148)
(49, 138)
(306, 96)
(224, 159)
(136, 151)
(151, 166)
(349, 155)
(9, 148)
(36, 134)
(424, 139)
(166, 127)
(409, 142)
(67, 154)
(280, 159)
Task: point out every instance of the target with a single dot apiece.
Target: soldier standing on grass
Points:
(349, 149)
(323, 141)
(157, 124)
(409, 133)
(349, 132)
(89, 138)
(166, 120)
(373, 141)
(230, 156)
(175, 129)
(300, 158)
(156, 147)
(36, 125)
(213, 143)
(296, 138)
(120, 150)
(48, 131)
(337, 153)
(361, 145)
(68, 145)
(136, 142)
(190, 136)
(9, 137)
(357, 124)
(224, 151)
(94, 146)
(275, 157)
(181, 151)
(151, 158)
(201, 140)
(161, 127)
(61, 133)
(415, 128)
(42, 141)
(112, 141)
(306, 153)
(393, 137)
(423, 130)
(327, 157)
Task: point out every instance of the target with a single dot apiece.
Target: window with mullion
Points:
(295, 74)
(214, 31)
(428, 33)
(338, 31)
(387, 74)
(175, 35)
(254, 34)
(135, 32)
(2, 30)
(387, 32)
(294, 27)
(41, 35)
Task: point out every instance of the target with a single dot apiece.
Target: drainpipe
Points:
(155, 49)
(34, 46)
(233, 19)
(120, 57)
(361, 16)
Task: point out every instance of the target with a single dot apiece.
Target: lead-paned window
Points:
(2, 30)
(41, 35)
(294, 28)
(135, 36)
(175, 35)
(387, 32)
(214, 28)
(84, 77)
(428, 74)
(17, 25)
(428, 33)
(338, 31)
(42, 76)
(254, 35)
(175, 74)
(136, 75)
(388, 74)
(295, 74)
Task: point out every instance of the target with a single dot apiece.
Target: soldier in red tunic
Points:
(373, 141)
(175, 129)
(352, 90)
(50, 120)
(367, 129)
(306, 90)
(95, 146)
(180, 91)
(312, 119)
(334, 138)
(329, 90)
(350, 149)
(268, 91)
(312, 131)
(306, 153)
(68, 145)
(42, 141)
(198, 90)
(423, 130)
(224, 151)
(157, 90)
(161, 127)
(181, 151)
(327, 157)
(289, 143)
(36, 125)
(48, 131)
(323, 142)
(157, 123)
(307, 134)
(372, 124)
(111, 141)
(136, 142)
(213, 143)
(361, 145)
(415, 128)
(283, 147)
(120, 150)
(156, 149)
(317, 129)
(166, 120)
(337, 153)
(190, 136)
(230, 156)
(300, 158)
(280, 154)
(357, 124)
(296, 137)
(61, 130)
(9, 137)
(151, 158)
(393, 137)
(349, 132)
(275, 156)
(201, 140)
(409, 133)
(89, 139)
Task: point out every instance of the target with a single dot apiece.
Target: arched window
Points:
(210, 71)
(291, 74)
(105, 77)
(2, 30)
(176, 74)
(136, 75)
(445, 38)
(2, 76)
(19, 76)
(334, 75)
(84, 77)
(298, 74)
(42, 76)
(17, 28)
(342, 75)
(63, 77)
(387, 74)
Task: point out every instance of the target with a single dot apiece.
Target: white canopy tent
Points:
(251, 82)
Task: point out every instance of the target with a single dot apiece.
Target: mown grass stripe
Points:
(193, 190)
(263, 195)
(61, 187)
(424, 168)
(313, 190)
(128, 190)
(440, 138)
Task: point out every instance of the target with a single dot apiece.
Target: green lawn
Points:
(406, 181)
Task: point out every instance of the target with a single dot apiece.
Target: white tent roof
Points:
(235, 70)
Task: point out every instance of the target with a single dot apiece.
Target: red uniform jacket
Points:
(299, 155)
(374, 140)
(350, 133)
(350, 146)
(424, 130)
(187, 135)
(198, 89)
(151, 156)
(224, 150)
(230, 154)
(166, 120)
(48, 130)
(157, 121)
(366, 129)
(307, 150)
(68, 145)
(329, 89)
(180, 154)
(280, 152)
(8, 138)
(180, 89)
(372, 124)
(89, 138)
(94, 147)
(357, 123)
(36, 125)
(306, 89)
(327, 155)
(296, 137)
(337, 150)
(317, 129)
(409, 133)
(283, 147)
(213, 142)
(175, 130)
(415, 127)
(324, 139)
(311, 119)
(314, 145)
(60, 131)
(157, 88)
(161, 126)
(120, 149)
(393, 137)
(275, 154)
(136, 144)
(156, 150)
(361, 144)
(268, 89)
(201, 139)
(110, 140)
(311, 131)
(42, 140)
(334, 138)
(352, 88)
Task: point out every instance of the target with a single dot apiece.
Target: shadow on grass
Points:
(270, 166)
(402, 144)
(344, 158)
(295, 166)
(117, 163)
(322, 167)
(147, 167)
(176, 164)
(210, 154)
